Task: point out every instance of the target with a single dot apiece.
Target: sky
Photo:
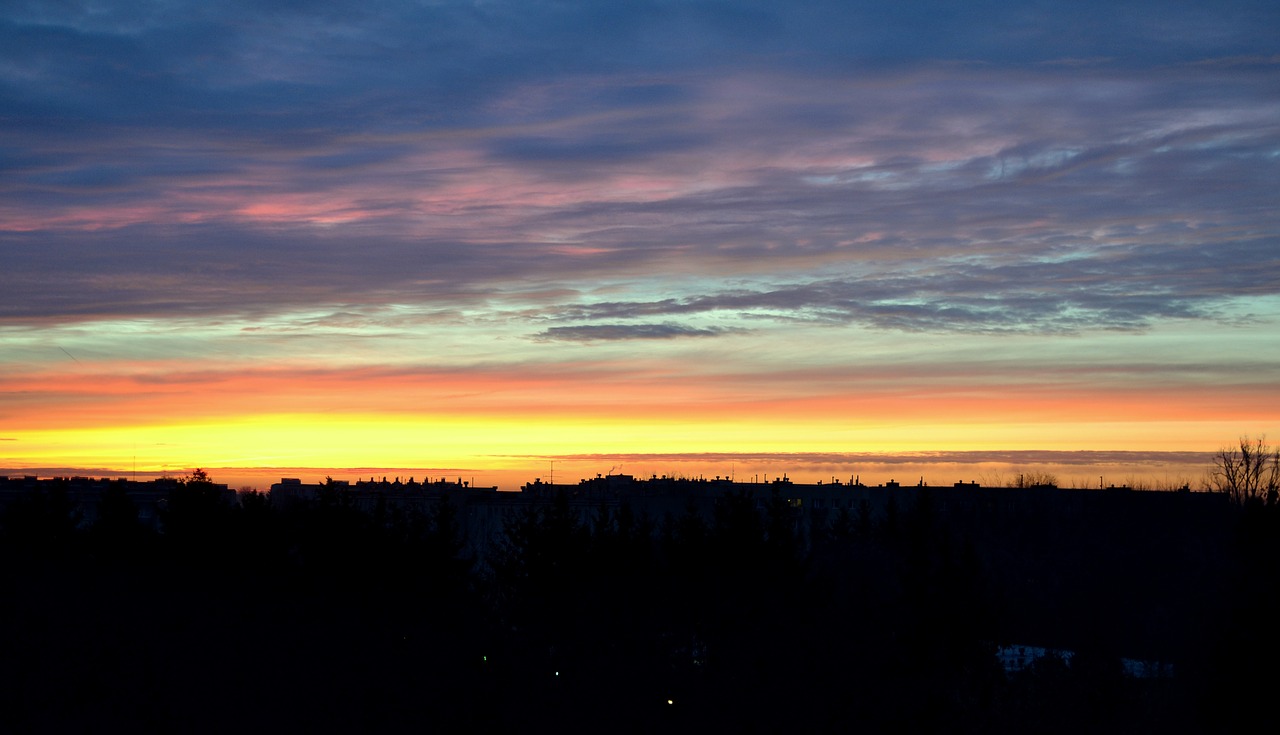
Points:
(490, 239)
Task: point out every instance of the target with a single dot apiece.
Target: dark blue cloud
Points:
(1128, 290)
(990, 166)
(246, 65)
(635, 143)
(614, 332)
(354, 158)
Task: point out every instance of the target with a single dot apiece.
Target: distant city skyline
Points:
(476, 238)
(1142, 470)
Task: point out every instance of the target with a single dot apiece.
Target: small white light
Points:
(670, 702)
(557, 673)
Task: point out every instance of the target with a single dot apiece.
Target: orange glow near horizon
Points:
(503, 412)
(507, 443)
(503, 423)
(54, 401)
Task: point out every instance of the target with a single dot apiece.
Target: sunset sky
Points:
(474, 238)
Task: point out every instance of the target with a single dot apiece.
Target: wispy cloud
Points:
(855, 459)
(602, 332)
(1123, 290)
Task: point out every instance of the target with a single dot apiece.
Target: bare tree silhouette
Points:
(1249, 472)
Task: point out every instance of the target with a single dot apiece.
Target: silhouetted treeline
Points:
(324, 617)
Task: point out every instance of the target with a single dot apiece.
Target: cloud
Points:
(855, 459)
(613, 332)
(1126, 290)
(847, 165)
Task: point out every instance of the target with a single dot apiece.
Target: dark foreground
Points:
(327, 618)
